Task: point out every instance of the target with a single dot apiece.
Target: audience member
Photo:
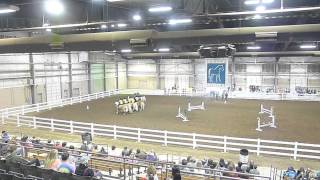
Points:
(83, 169)
(5, 137)
(35, 161)
(140, 154)
(65, 166)
(12, 156)
(52, 161)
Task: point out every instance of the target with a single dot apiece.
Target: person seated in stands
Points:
(222, 164)
(5, 137)
(151, 173)
(52, 161)
(191, 164)
(140, 154)
(49, 143)
(64, 145)
(176, 173)
(73, 158)
(103, 151)
(37, 144)
(12, 156)
(125, 152)
(34, 162)
(33, 139)
(290, 173)
(83, 169)
(184, 163)
(231, 170)
(65, 166)
(254, 170)
(113, 151)
(58, 146)
(210, 164)
(84, 146)
(151, 156)
(238, 168)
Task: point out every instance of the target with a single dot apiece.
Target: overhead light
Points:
(112, 25)
(103, 26)
(179, 21)
(164, 50)
(253, 47)
(114, 51)
(48, 30)
(251, 2)
(260, 8)
(308, 46)
(267, 1)
(45, 25)
(122, 25)
(8, 9)
(54, 7)
(136, 17)
(257, 16)
(126, 50)
(160, 9)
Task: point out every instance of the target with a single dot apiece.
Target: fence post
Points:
(165, 138)
(114, 132)
(194, 141)
(295, 152)
(71, 102)
(61, 103)
(96, 95)
(224, 143)
(18, 120)
(37, 107)
(258, 147)
(22, 110)
(80, 98)
(34, 122)
(92, 129)
(52, 125)
(71, 127)
(139, 140)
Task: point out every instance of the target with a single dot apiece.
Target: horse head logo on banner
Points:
(216, 73)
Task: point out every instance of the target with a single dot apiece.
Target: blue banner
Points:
(216, 73)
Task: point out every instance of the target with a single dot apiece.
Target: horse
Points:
(123, 109)
(141, 105)
(135, 106)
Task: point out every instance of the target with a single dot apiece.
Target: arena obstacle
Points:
(266, 124)
(182, 116)
(197, 107)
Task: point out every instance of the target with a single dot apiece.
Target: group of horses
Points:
(130, 104)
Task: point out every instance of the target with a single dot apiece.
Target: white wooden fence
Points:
(16, 115)
(294, 150)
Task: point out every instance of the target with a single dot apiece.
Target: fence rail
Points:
(16, 116)
(294, 150)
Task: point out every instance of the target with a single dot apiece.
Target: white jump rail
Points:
(293, 150)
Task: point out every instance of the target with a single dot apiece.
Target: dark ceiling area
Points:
(97, 17)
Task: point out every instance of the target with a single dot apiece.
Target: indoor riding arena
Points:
(160, 89)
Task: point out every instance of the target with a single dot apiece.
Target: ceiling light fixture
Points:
(126, 50)
(251, 2)
(257, 16)
(164, 49)
(253, 47)
(103, 26)
(136, 17)
(8, 9)
(54, 7)
(120, 25)
(308, 46)
(160, 9)
(267, 1)
(260, 8)
(179, 21)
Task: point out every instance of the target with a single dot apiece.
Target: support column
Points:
(70, 74)
(158, 80)
(233, 77)
(104, 77)
(117, 73)
(127, 74)
(194, 73)
(276, 70)
(89, 77)
(32, 79)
